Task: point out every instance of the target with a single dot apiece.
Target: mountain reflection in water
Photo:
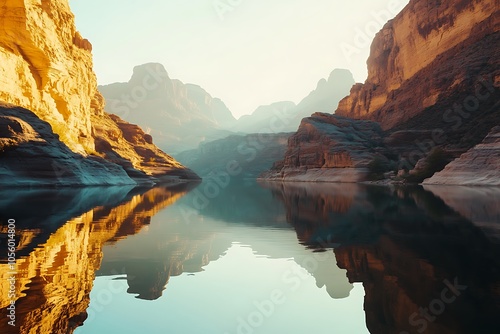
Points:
(405, 245)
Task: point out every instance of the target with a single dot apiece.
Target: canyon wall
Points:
(329, 148)
(47, 69)
(421, 58)
(478, 166)
(433, 86)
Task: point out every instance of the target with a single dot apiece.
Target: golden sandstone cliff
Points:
(46, 68)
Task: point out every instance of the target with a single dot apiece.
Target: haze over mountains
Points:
(181, 116)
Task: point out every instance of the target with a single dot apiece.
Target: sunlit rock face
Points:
(432, 55)
(46, 66)
(478, 166)
(130, 147)
(329, 148)
(55, 278)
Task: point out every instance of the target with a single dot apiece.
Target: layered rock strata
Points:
(329, 148)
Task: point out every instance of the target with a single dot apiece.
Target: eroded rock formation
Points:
(478, 166)
(429, 53)
(329, 148)
(46, 67)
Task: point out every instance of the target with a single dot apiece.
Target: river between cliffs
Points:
(249, 258)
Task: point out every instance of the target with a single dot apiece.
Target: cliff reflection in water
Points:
(61, 234)
(407, 246)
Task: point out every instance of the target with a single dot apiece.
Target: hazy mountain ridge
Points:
(179, 116)
(286, 116)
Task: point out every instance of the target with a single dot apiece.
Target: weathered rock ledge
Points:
(478, 166)
(329, 148)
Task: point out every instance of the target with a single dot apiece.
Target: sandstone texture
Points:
(432, 55)
(32, 155)
(128, 146)
(286, 116)
(46, 67)
(329, 148)
(478, 166)
(433, 86)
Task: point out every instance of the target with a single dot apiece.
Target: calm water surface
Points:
(254, 258)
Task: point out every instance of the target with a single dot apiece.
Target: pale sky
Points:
(246, 52)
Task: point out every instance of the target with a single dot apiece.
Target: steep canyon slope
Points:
(46, 68)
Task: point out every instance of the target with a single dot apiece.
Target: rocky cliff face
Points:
(179, 116)
(32, 155)
(329, 148)
(433, 85)
(478, 166)
(433, 54)
(46, 67)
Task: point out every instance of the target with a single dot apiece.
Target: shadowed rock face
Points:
(32, 155)
(179, 116)
(429, 57)
(478, 166)
(329, 148)
(433, 81)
